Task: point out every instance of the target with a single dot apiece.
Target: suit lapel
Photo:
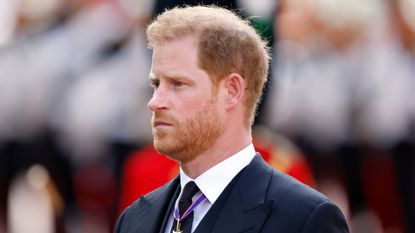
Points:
(170, 207)
(152, 216)
(246, 208)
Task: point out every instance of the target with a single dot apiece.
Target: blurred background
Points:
(75, 139)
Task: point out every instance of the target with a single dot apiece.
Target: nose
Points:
(158, 101)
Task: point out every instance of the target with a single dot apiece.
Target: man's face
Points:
(186, 115)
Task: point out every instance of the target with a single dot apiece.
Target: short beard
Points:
(191, 137)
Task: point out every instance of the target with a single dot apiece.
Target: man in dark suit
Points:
(208, 71)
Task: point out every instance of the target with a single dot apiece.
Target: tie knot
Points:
(189, 190)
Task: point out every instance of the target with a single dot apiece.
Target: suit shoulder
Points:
(303, 208)
(326, 217)
(285, 189)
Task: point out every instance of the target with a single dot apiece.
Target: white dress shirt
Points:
(212, 182)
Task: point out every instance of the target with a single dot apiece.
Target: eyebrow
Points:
(153, 78)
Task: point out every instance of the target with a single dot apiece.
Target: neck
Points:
(223, 148)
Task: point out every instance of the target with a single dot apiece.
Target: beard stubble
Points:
(189, 138)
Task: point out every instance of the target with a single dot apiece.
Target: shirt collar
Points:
(213, 181)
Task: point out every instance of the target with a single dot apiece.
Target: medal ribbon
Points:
(198, 201)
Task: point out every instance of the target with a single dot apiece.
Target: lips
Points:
(157, 124)
(161, 119)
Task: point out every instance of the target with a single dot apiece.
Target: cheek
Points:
(193, 100)
(187, 110)
(194, 103)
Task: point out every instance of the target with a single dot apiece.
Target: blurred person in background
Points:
(52, 46)
(342, 91)
(385, 118)
(24, 95)
(316, 62)
(403, 153)
(106, 115)
(34, 201)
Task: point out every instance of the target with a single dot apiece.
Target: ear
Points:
(235, 89)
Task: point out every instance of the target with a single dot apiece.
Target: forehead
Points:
(183, 47)
(175, 57)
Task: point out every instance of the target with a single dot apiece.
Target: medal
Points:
(178, 217)
(177, 228)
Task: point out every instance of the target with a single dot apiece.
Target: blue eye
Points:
(178, 84)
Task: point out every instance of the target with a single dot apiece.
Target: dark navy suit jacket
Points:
(261, 199)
